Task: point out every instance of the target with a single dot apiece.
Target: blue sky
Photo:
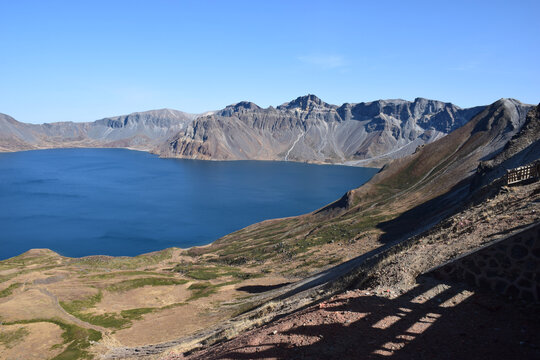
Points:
(84, 60)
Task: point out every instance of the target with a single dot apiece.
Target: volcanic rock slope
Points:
(142, 131)
(308, 129)
(405, 197)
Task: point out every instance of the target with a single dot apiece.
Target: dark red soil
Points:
(431, 321)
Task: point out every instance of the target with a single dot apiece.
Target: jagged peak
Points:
(507, 103)
(306, 102)
(237, 108)
(421, 100)
(244, 105)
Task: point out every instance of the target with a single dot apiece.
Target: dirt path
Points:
(68, 316)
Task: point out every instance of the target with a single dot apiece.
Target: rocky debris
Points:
(479, 222)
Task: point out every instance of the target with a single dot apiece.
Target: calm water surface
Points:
(118, 202)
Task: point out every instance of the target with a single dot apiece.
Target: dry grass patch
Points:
(140, 282)
(169, 324)
(28, 305)
(35, 340)
(9, 290)
(10, 338)
(74, 342)
(156, 296)
(116, 274)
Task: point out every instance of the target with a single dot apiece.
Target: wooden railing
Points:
(523, 173)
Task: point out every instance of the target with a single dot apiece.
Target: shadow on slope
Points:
(421, 217)
(257, 289)
(431, 321)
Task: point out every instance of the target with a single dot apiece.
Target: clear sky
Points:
(84, 60)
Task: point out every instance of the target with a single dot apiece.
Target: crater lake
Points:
(81, 202)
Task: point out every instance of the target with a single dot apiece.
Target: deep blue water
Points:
(119, 202)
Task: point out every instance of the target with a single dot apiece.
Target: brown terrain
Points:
(396, 312)
(431, 321)
(350, 280)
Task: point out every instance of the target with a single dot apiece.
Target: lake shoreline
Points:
(94, 194)
(363, 163)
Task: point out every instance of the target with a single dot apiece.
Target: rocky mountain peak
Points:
(307, 102)
(508, 102)
(504, 116)
(239, 107)
(245, 105)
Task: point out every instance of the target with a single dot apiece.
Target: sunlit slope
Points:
(432, 181)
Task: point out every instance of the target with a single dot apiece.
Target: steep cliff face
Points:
(143, 130)
(308, 129)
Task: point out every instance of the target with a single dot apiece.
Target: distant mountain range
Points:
(305, 129)
(142, 131)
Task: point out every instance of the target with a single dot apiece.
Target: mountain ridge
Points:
(305, 129)
(308, 129)
(138, 130)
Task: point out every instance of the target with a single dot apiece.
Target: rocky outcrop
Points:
(308, 129)
(523, 148)
(143, 130)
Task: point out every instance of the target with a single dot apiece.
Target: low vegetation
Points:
(202, 272)
(140, 282)
(9, 290)
(199, 290)
(124, 263)
(76, 339)
(82, 308)
(10, 338)
(204, 289)
(115, 274)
